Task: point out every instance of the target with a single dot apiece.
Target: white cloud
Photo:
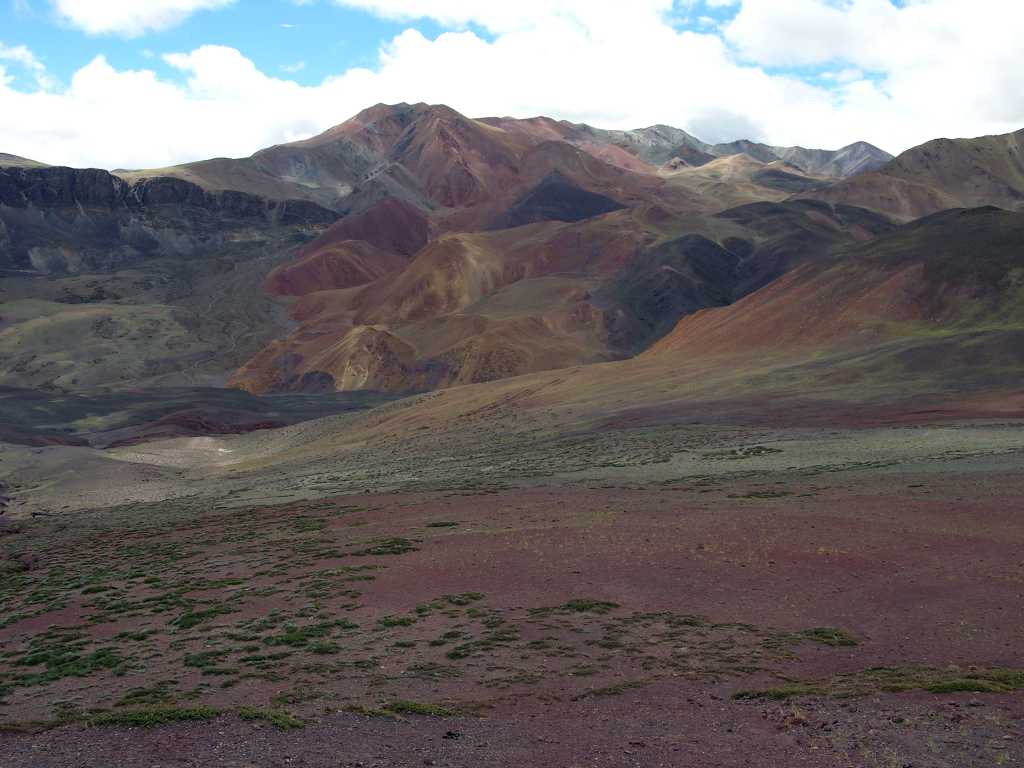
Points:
(935, 67)
(130, 17)
(950, 65)
(499, 16)
(21, 56)
(849, 75)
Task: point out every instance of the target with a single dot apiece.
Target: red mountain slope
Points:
(957, 271)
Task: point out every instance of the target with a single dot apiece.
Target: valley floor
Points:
(649, 592)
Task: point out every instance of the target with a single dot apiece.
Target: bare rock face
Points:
(56, 220)
(59, 187)
(52, 188)
(166, 191)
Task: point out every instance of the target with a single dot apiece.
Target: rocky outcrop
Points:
(67, 220)
(58, 187)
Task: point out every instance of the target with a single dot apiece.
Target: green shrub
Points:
(150, 717)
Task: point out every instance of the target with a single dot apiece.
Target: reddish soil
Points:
(667, 726)
(920, 569)
(344, 264)
(391, 225)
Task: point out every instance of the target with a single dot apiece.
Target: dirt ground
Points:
(650, 595)
(660, 728)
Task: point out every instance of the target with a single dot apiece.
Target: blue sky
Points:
(137, 83)
(276, 34)
(302, 41)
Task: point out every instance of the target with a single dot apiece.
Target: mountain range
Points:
(412, 248)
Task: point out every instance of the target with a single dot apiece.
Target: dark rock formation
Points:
(56, 219)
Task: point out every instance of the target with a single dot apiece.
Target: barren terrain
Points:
(810, 586)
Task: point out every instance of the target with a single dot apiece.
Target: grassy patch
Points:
(465, 598)
(394, 546)
(585, 605)
(63, 654)
(399, 707)
(836, 638)
(192, 618)
(965, 685)
(308, 525)
(300, 637)
(405, 707)
(149, 717)
(138, 697)
(276, 717)
(322, 648)
(897, 680)
(781, 693)
(489, 642)
(205, 660)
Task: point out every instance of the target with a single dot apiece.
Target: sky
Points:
(151, 83)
